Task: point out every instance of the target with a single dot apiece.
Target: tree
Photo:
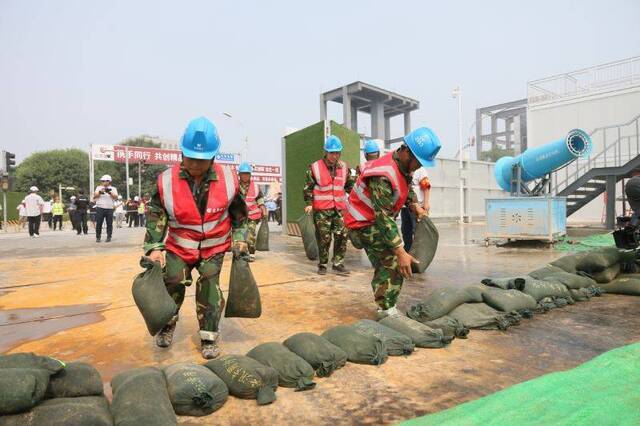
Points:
(48, 169)
(495, 154)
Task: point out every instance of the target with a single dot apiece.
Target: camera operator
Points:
(104, 197)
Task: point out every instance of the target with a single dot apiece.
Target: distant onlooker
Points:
(57, 209)
(71, 209)
(119, 211)
(33, 204)
(132, 212)
(92, 214)
(46, 212)
(22, 214)
(271, 209)
(104, 197)
(141, 211)
(82, 205)
(279, 209)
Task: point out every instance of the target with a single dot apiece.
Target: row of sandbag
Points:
(36, 390)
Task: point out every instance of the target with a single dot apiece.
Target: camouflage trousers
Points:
(387, 281)
(329, 223)
(251, 234)
(209, 299)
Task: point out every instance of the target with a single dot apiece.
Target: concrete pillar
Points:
(494, 129)
(387, 129)
(377, 120)
(523, 131)
(478, 134)
(611, 202)
(507, 136)
(323, 108)
(354, 119)
(346, 108)
(407, 122)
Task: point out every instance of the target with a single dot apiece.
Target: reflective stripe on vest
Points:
(328, 192)
(195, 245)
(359, 210)
(253, 210)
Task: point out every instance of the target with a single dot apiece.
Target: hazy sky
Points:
(77, 72)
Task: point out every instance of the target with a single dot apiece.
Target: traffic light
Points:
(9, 161)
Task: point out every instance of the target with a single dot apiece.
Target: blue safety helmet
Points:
(200, 140)
(424, 144)
(333, 144)
(245, 168)
(371, 146)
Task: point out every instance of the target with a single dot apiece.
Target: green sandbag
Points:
(424, 246)
(482, 316)
(80, 411)
(308, 231)
(439, 303)
(585, 293)
(262, 239)
(555, 274)
(607, 275)
(360, 348)
(321, 354)
(293, 371)
(21, 389)
(569, 262)
(421, 335)
(510, 300)
(31, 360)
(599, 260)
(244, 296)
(396, 343)
(539, 289)
(474, 293)
(246, 378)
(140, 397)
(510, 283)
(151, 296)
(194, 390)
(450, 327)
(625, 284)
(77, 379)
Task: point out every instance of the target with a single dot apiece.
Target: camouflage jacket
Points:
(157, 215)
(310, 182)
(382, 198)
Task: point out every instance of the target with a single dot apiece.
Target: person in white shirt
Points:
(421, 187)
(119, 211)
(46, 212)
(104, 196)
(22, 214)
(33, 204)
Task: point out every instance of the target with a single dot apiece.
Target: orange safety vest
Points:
(359, 212)
(328, 193)
(192, 236)
(253, 209)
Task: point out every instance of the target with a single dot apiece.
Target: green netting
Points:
(603, 391)
(576, 244)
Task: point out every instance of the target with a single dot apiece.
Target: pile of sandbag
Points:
(38, 390)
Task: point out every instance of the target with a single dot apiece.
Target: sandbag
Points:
(151, 296)
(140, 397)
(293, 371)
(321, 354)
(244, 296)
(474, 293)
(625, 284)
(554, 274)
(31, 360)
(262, 239)
(450, 327)
(510, 301)
(81, 411)
(599, 260)
(194, 390)
(360, 348)
(396, 343)
(482, 316)
(77, 379)
(607, 275)
(308, 231)
(539, 289)
(569, 262)
(21, 389)
(438, 303)
(509, 283)
(585, 293)
(425, 244)
(246, 378)
(421, 335)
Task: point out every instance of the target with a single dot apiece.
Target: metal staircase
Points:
(586, 178)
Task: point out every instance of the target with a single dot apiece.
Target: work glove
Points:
(240, 247)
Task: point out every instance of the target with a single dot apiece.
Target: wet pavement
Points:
(68, 297)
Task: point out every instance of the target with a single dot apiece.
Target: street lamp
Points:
(457, 94)
(245, 149)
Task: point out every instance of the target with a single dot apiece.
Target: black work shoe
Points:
(340, 270)
(165, 337)
(209, 349)
(322, 270)
(108, 240)
(97, 239)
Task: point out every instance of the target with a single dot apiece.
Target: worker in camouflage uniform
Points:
(382, 189)
(196, 214)
(371, 151)
(256, 209)
(328, 181)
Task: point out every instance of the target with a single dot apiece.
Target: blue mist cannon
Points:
(536, 163)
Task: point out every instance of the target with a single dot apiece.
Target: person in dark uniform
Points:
(82, 205)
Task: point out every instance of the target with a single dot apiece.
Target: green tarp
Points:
(603, 391)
